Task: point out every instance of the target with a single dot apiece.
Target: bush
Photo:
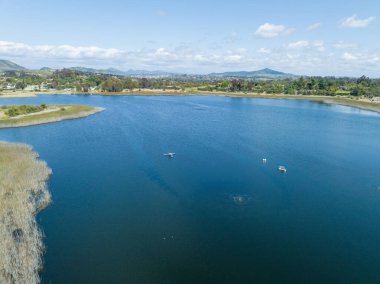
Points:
(21, 110)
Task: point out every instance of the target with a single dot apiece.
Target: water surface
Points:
(124, 213)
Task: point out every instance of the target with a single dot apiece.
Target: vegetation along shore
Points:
(360, 92)
(26, 115)
(23, 193)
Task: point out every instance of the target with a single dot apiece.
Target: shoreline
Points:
(360, 103)
(24, 193)
(72, 112)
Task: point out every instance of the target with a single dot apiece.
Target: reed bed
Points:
(23, 193)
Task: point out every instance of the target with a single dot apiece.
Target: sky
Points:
(324, 38)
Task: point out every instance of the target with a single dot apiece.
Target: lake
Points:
(215, 213)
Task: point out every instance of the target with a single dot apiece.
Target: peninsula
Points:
(26, 115)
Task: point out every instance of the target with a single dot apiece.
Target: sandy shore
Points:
(55, 115)
(23, 193)
(17, 94)
(28, 94)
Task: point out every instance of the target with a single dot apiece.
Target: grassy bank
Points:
(52, 113)
(23, 192)
(361, 104)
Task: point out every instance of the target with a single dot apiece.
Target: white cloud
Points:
(343, 45)
(264, 50)
(348, 56)
(314, 26)
(319, 45)
(241, 50)
(303, 44)
(268, 30)
(8, 48)
(298, 57)
(355, 22)
(299, 44)
(363, 58)
(235, 58)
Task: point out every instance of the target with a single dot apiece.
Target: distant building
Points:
(44, 86)
(10, 86)
(32, 87)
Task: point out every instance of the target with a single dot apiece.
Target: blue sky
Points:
(304, 37)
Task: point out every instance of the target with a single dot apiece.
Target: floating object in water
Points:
(264, 161)
(241, 199)
(166, 238)
(282, 169)
(169, 155)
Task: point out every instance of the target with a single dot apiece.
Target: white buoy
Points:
(282, 169)
(264, 161)
(169, 155)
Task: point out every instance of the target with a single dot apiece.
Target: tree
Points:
(112, 85)
(20, 85)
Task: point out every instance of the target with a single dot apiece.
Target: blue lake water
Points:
(124, 213)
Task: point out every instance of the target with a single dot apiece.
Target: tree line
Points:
(87, 82)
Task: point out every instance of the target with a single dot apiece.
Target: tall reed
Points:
(23, 193)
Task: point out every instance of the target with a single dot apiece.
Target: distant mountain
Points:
(263, 74)
(6, 65)
(110, 71)
(113, 71)
(46, 69)
(259, 74)
(146, 72)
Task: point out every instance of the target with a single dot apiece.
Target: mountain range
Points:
(264, 74)
(113, 71)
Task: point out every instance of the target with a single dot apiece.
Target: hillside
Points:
(113, 71)
(6, 65)
(259, 74)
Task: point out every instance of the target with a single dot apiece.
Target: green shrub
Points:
(21, 110)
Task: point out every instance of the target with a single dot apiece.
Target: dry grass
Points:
(23, 192)
(63, 112)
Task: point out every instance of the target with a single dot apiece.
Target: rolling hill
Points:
(259, 74)
(113, 71)
(6, 65)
